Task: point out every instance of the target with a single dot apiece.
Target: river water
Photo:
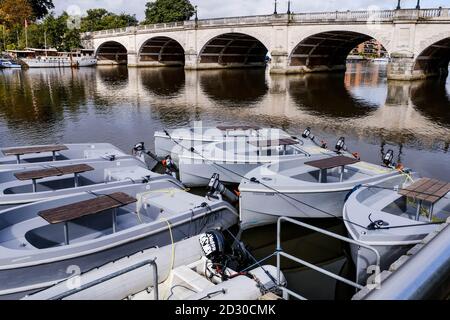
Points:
(124, 106)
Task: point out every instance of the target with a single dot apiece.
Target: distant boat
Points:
(47, 58)
(380, 60)
(9, 64)
(83, 58)
(51, 58)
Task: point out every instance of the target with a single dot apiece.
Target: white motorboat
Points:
(83, 58)
(234, 159)
(172, 143)
(301, 188)
(380, 60)
(50, 181)
(9, 64)
(392, 215)
(28, 157)
(40, 243)
(180, 271)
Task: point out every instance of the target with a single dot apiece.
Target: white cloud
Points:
(226, 8)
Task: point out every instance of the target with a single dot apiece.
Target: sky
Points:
(229, 8)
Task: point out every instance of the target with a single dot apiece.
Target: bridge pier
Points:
(404, 67)
(401, 67)
(132, 59)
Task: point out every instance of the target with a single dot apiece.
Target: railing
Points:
(310, 17)
(279, 253)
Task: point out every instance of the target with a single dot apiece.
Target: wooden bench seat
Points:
(226, 128)
(426, 189)
(274, 143)
(53, 172)
(31, 150)
(85, 208)
(330, 163)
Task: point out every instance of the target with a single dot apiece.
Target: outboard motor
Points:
(213, 245)
(223, 253)
(388, 158)
(306, 133)
(140, 152)
(170, 166)
(340, 145)
(216, 188)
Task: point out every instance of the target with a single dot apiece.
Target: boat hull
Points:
(17, 282)
(262, 208)
(365, 258)
(199, 174)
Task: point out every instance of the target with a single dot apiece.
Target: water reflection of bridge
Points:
(360, 103)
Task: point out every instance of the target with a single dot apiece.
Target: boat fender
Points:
(355, 188)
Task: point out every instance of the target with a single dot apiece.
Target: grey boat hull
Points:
(259, 208)
(17, 283)
(365, 258)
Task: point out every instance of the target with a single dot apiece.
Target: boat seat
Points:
(88, 207)
(426, 189)
(53, 172)
(31, 150)
(274, 143)
(330, 163)
(226, 128)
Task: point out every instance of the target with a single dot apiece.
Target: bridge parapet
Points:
(372, 16)
(415, 40)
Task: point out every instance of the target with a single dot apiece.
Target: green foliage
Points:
(160, 11)
(59, 35)
(41, 7)
(101, 19)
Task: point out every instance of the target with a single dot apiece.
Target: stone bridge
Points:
(418, 42)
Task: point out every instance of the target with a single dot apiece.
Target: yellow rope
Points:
(172, 260)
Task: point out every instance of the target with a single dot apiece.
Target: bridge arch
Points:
(327, 50)
(161, 51)
(232, 49)
(434, 57)
(111, 53)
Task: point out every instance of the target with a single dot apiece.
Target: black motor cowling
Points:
(388, 158)
(340, 144)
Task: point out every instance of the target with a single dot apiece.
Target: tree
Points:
(41, 7)
(59, 35)
(160, 11)
(101, 19)
(15, 12)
